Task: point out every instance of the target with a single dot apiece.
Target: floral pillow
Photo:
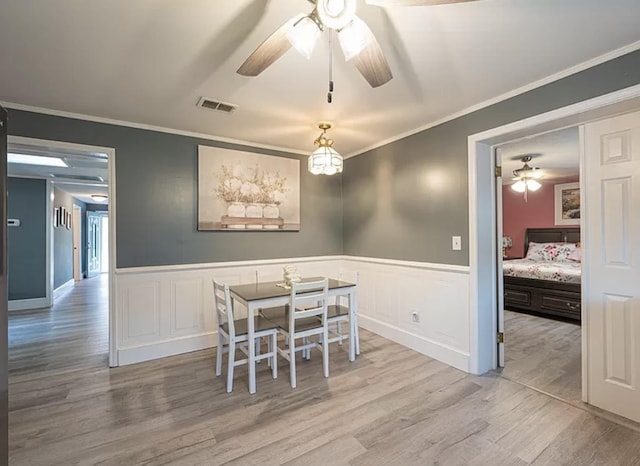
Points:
(552, 252)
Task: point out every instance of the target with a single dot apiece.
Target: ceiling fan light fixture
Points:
(519, 186)
(304, 36)
(354, 37)
(336, 14)
(533, 185)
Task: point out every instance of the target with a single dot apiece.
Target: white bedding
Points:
(566, 272)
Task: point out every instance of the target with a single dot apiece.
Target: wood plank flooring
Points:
(544, 353)
(392, 406)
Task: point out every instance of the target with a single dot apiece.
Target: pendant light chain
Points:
(330, 93)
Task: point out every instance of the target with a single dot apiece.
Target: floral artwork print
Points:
(251, 185)
(247, 191)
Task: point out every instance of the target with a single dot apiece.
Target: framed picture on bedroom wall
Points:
(567, 204)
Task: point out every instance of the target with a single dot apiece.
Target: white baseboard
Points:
(421, 344)
(157, 350)
(24, 304)
(63, 288)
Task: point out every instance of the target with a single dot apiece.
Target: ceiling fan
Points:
(356, 39)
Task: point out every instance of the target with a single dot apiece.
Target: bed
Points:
(547, 287)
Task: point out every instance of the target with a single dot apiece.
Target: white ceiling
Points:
(148, 62)
(556, 154)
(86, 174)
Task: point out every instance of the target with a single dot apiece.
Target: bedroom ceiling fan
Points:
(526, 177)
(356, 38)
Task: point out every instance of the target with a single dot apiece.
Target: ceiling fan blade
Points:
(371, 62)
(269, 51)
(414, 2)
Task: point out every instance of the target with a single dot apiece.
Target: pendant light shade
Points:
(354, 37)
(325, 160)
(304, 36)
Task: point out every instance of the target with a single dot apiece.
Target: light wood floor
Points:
(544, 353)
(392, 406)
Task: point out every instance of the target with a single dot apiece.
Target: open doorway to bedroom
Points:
(541, 262)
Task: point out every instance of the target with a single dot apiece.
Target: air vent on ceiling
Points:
(212, 104)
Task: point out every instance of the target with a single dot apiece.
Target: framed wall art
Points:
(567, 204)
(239, 191)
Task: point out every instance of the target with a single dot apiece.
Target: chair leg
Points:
(339, 331)
(219, 352)
(232, 357)
(307, 352)
(258, 341)
(269, 350)
(325, 352)
(356, 332)
(292, 361)
(274, 358)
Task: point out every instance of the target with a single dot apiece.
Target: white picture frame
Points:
(566, 204)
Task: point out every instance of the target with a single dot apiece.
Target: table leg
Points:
(252, 348)
(352, 333)
(355, 322)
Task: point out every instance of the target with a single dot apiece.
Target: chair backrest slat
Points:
(314, 294)
(224, 311)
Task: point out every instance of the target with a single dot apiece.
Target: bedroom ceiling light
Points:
(304, 35)
(526, 177)
(99, 197)
(325, 160)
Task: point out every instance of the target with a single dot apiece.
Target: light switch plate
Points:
(456, 243)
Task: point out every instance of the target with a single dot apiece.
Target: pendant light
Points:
(325, 160)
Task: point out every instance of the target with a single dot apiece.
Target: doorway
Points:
(89, 189)
(97, 243)
(540, 264)
(485, 243)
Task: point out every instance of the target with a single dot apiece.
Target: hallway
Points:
(71, 335)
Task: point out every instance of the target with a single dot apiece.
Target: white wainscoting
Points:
(168, 310)
(390, 291)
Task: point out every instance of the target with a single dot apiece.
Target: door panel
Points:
(612, 251)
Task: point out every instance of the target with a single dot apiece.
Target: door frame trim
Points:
(77, 229)
(483, 238)
(111, 164)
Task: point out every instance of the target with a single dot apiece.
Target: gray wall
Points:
(26, 244)
(62, 242)
(405, 200)
(156, 184)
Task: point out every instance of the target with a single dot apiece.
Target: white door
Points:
(611, 285)
(93, 244)
(76, 225)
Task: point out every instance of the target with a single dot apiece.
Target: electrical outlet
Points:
(415, 317)
(456, 243)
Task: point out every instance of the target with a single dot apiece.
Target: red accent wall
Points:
(518, 215)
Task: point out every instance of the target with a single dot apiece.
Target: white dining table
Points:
(256, 296)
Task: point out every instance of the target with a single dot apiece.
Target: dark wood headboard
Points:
(551, 235)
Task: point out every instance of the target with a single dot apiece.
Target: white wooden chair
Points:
(233, 334)
(304, 317)
(337, 313)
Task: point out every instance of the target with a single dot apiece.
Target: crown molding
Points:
(507, 95)
(159, 129)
